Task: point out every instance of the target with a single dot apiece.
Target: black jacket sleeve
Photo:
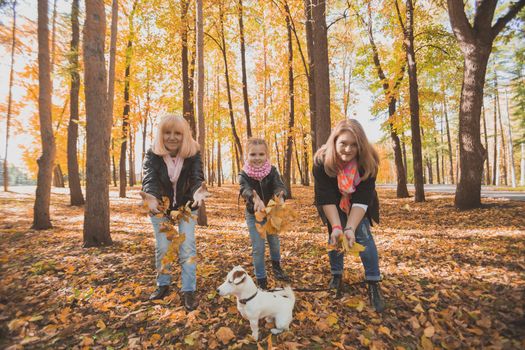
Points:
(246, 190)
(196, 174)
(278, 185)
(325, 187)
(150, 180)
(364, 192)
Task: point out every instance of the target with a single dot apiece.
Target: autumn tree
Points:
(76, 197)
(10, 97)
(98, 125)
(41, 218)
(475, 41)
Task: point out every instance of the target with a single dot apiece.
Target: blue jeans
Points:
(369, 256)
(187, 250)
(258, 246)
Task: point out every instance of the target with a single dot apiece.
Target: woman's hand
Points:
(151, 202)
(258, 204)
(335, 235)
(350, 235)
(280, 196)
(200, 195)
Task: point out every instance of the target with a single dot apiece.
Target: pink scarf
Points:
(174, 165)
(257, 173)
(347, 180)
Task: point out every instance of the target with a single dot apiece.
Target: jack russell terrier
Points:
(254, 304)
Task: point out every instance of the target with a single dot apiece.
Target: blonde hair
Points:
(367, 157)
(189, 146)
(255, 141)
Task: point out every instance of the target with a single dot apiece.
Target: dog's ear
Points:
(238, 277)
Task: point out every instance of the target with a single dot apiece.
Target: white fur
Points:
(276, 306)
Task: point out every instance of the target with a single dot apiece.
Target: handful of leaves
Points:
(342, 245)
(278, 217)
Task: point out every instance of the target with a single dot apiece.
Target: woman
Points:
(345, 170)
(173, 168)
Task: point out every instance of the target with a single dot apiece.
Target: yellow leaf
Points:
(429, 331)
(225, 334)
(16, 323)
(384, 330)
(260, 215)
(332, 319)
(418, 308)
(426, 343)
(101, 325)
(355, 303)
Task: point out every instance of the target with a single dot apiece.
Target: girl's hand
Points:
(280, 195)
(258, 204)
(335, 236)
(350, 235)
(200, 195)
(151, 202)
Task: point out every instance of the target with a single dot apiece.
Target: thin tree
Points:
(199, 103)
(41, 218)
(98, 128)
(76, 197)
(111, 78)
(417, 157)
(10, 97)
(511, 148)
(187, 105)
(475, 41)
(487, 171)
(311, 72)
(291, 112)
(243, 69)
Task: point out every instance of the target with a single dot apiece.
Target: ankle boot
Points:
(335, 282)
(278, 272)
(190, 303)
(159, 293)
(374, 296)
(262, 283)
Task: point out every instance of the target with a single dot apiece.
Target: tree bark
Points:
(311, 73)
(511, 149)
(495, 165)
(199, 49)
(291, 115)
(41, 218)
(408, 30)
(243, 69)
(475, 42)
(487, 171)
(125, 120)
(98, 126)
(10, 98)
(502, 136)
(111, 78)
(187, 109)
(449, 141)
(321, 72)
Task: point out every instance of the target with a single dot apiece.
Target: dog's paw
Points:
(276, 331)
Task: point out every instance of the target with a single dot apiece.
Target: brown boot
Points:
(190, 302)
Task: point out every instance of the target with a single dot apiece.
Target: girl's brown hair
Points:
(189, 146)
(367, 156)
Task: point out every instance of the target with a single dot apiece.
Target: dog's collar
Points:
(244, 301)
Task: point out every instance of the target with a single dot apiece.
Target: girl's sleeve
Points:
(278, 184)
(365, 192)
(197, 175)
(150, 178)
(325, 190)
(246, 190)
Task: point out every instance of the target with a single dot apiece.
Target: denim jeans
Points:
(258, 246)
(187, 250)
(369, 256)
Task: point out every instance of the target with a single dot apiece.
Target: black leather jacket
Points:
(266, 188)
(156, 181)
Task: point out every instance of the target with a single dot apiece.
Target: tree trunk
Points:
(202, 217)
(243, 69)
(321, 72)
(10, 98)
(237, 141)
(511, 150)
(111, 78)
(449, 141)
(276, 144)
(306, 167)
(495, 165)
(113, 163)
(414, 103)
(41, 218)
(186, 95)
(502, 135)
(98, 129)
(131, 157)
(487, 172)
(522, 165)
(76, 197)
(311, 73)
(125, 121)
(291, 111)
(220, 178)
(298, 161)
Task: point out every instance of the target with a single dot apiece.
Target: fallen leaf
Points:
(225, 335)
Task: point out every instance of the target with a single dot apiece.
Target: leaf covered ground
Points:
(451, 279)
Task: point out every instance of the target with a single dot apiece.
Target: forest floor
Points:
(451, 279)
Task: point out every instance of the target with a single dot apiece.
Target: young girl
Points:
(260, 181)
(345, 170)
(173, 168)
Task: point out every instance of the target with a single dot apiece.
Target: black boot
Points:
(374, 296)
(190, 303)
(262, 283)
(159, 293)
(335, 282)
(278, 272)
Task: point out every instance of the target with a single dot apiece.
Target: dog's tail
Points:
(288, 293)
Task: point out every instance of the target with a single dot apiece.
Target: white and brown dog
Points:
(254, 304)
